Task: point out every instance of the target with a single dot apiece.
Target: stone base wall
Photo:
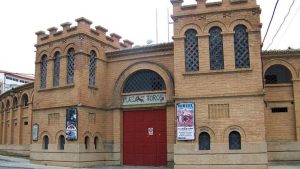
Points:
(251, 156)
(75, 155)
(221, 166)
(22, 150)
(283, 152)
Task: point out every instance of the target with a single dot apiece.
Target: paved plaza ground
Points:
(7, 162)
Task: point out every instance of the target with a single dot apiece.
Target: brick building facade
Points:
(99, 101)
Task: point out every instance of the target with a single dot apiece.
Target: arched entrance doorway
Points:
(145, 127)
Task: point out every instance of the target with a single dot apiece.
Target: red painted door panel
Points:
(140, 148)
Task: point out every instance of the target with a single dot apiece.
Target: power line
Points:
(291, 21)
(281, 24)
(270, 21)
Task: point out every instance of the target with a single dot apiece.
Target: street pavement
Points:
(7, 162)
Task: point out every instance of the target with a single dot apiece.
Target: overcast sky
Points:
(132, 19)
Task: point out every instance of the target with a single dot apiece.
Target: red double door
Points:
(145, 138)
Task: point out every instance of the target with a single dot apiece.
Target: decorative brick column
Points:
(296, 88)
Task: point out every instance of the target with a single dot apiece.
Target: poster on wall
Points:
(71, 124)
(35, 132)
(185, 113)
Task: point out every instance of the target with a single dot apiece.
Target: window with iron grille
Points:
(204, 141)
(191, 51)
(277, 74)
(216, 49)
(234, 140)
(92, 75)
(271, 79)
(241, 47)
(144, 80)
(70, 66)
(44, 71)
(56, 69)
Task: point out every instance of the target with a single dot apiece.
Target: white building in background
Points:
(9, 80)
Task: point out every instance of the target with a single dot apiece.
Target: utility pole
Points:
(156, 28)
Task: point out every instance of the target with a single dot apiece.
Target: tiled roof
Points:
(27, 77)
(140, 49)
(281, 52)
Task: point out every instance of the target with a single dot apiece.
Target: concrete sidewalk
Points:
(14, 162)
(8, 162)
(18, 163)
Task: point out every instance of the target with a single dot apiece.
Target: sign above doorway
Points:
(144, 99)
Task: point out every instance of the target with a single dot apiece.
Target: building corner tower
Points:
(217, 54)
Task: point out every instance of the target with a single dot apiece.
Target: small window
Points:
(61, 142)
(204, 141)
(87, 142)
(25, 123)
(96, 140)
(45, 142)
(234, 140)
(279, 110)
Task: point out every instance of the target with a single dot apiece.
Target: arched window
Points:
(241, 47)
(87, 142)
(96, 142)
(191, 51)
(234, 140)
(2, 107)
(24, 100)
(61, 142)
(277, 74)
(144, 80)
(70, 66)
(92, 74)
(204, 141)
(7, 105)
(216, 49)
(43, 71)
(45, 142)
(15, 103)
(56, 69)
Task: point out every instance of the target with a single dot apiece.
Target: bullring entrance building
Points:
(210, 99)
